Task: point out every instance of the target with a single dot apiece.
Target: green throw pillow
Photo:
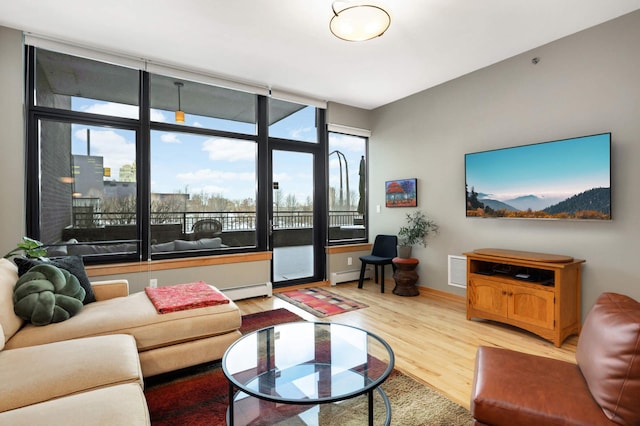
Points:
(47, 294)
(73, 264)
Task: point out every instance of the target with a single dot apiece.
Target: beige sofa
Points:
(91, 381)
(163, 342)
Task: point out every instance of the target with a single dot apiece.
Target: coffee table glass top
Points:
(308, 363)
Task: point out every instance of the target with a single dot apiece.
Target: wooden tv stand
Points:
(537, 292)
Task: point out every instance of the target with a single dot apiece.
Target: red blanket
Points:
(184, 296)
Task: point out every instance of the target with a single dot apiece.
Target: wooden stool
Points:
(405, 276)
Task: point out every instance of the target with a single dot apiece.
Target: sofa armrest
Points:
(109, 289)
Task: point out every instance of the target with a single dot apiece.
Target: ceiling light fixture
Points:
(358, 22)
(179, 112)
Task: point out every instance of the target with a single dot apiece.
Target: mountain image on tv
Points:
(564, 179)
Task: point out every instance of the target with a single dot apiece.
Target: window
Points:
(203, 192)
(288, 120)
(88, 188)
(78, 84)
(347, 198)
(113, 176)
(204, 106)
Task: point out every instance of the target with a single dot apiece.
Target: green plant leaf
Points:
(30, 248)
(417, 229)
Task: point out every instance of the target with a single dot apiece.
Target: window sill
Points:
(161, 265)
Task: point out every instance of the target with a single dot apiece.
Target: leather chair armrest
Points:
(110, 289)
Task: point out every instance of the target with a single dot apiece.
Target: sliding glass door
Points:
(292, 223)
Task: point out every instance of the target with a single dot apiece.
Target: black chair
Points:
(385, 248)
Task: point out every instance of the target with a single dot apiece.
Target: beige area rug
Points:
(412, 404)
(416, 404)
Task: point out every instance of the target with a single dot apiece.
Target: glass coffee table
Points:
(306, 372)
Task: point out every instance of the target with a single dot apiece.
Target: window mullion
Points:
(143, 169)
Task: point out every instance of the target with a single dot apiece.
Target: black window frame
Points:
(143, 126)
(367, 212)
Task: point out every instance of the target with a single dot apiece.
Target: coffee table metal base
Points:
(272, 411)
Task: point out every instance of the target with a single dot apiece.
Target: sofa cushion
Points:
(163, 247)
(45, 372)
(114, 405)
(10, 322)
(135, 315)
(47, 294)
(73, 264)
(608, 354)
(89, 249)
(201, 244)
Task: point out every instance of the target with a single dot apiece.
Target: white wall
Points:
(584, 84)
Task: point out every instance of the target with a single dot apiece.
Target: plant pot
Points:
(404, 252)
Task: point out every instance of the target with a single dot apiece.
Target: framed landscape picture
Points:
(401, 193)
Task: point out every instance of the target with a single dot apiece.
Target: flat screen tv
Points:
(563, 179)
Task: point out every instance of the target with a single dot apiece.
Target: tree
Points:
(291, 202)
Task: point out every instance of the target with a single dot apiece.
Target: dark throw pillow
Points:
(73, 264)
(47, 294)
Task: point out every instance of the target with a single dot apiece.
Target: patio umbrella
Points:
(361, 185)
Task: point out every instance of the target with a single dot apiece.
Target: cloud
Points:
(112, 146)
(219, 182)
(217, 176)
(230, 150)
(346, 142)
(121, 110)
(281, 177)
(304, 134)
(111, 108)
(158, 116)
(170, 138)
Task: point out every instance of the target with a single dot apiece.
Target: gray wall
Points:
(584, 84)
(345, 115)
(12, 170)
(223, 276)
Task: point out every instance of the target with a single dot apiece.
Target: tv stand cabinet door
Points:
(532, 307)
(486, 299)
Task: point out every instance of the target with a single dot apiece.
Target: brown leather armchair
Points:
(603, 388)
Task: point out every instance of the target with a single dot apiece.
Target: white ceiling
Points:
(286, 44)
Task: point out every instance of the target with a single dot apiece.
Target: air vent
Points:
(457, 267)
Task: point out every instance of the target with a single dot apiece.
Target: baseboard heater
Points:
(248, 291)
(352, 275)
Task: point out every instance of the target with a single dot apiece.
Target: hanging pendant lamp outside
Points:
(179, 112)
(358, 22)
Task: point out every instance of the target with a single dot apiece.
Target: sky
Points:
(553, 170)
(194, 164)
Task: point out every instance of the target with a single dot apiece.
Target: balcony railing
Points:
(231, 221)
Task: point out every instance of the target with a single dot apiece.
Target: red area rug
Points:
(199, 395)
(319, 302)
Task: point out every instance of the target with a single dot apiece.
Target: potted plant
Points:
(415, 231)
(29, 247)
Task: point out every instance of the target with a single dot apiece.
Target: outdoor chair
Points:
(384, 250)
(206, 228)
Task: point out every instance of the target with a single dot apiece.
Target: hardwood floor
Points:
(432, 340)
